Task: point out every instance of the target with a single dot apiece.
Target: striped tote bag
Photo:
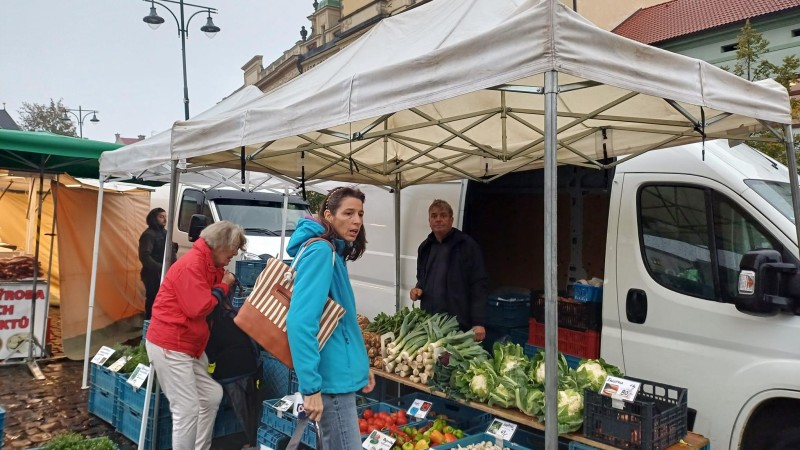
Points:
(263, 315)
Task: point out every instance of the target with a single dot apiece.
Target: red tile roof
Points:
(127, 141)
(681, 17)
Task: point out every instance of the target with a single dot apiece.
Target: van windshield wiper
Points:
(262, 231)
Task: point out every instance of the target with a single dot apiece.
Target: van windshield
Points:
(776, 193)
(260, 216)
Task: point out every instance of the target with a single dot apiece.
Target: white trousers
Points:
(193, 396)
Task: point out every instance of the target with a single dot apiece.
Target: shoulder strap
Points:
(311, 241)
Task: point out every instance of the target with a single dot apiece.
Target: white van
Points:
(667, 231)
(259, 213)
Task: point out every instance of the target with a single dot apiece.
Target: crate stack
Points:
(103, 393)
(129, 409)
(279, 381)
(579, 323)
(247, 271)
(507, 316)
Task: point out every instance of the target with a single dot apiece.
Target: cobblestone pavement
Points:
(36, 410)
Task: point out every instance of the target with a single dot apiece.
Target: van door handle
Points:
(636, 306)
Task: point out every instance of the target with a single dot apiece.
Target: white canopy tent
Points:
(478, 88)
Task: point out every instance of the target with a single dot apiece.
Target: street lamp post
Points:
(80, 117)
(154, 20)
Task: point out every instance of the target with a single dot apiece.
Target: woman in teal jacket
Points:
(329, 378)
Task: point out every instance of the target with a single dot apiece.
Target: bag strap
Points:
(300, 427)
(311, 241)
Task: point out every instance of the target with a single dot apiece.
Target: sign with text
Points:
(378, 441)
(620, 388)
(16, 304)
(419, 408)
(139, 375)
(502, 429)
(102, 355)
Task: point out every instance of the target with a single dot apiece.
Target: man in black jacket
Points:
(451, 276)
(151, 255)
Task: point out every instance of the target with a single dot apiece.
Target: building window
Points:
(729, 48)
(796, 32)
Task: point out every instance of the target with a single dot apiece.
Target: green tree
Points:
(35, 116)
(751, 47)
(314, 200)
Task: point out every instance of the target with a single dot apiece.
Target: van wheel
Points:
(775, 425)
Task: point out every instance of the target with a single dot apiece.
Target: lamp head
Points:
(65, 117)
(209, 28)
(153, 19)
(94, 118)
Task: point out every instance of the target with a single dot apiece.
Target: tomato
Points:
(367, 413)
(402, 420)
(362, 428)
(362, 423)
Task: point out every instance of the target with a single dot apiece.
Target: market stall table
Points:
(693, 440)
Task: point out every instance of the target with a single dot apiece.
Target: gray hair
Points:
(224, 234)
(441, 204)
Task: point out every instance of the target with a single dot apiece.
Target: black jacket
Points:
(151, 251)
(467, 281)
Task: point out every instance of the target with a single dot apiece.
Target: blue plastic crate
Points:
(286, 422)
(572, 361)
(496, 333)
(271, 439)
(2, 424)
(279, 379)
(248, 270)
(586, 293)
(478, 438)
(103, 404)
(573, 445)
(508, 307)
(103, 378)
(134, 398)
(130, 423)
(458, 415)
(227, 422)
(533, 439)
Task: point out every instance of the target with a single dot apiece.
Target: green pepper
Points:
(458, 433)
(449, 429)
(408, 446)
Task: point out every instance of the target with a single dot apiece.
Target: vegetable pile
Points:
(512, 380)
(430, 435)
(371, 420)
(421, 339)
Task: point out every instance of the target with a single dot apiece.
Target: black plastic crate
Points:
(655, 420)
(507, 307)
(574, 315)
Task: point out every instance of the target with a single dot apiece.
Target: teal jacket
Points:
(342, 366)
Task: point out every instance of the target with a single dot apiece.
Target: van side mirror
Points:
(766, 284)
(196, 225)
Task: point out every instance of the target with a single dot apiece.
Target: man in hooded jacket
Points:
(151, 254)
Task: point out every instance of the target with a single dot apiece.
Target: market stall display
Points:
(17, 319)
(19, 268)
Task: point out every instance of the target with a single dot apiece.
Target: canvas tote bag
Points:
(263, 315)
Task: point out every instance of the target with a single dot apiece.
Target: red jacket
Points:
(184, 300)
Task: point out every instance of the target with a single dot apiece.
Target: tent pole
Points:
(174, 176)
(284, 218)
(397, 259)
(54, 189)
(93, 284)
(550, 264)
(791, 161)
(32, 336)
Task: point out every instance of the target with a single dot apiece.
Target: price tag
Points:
(502, 430)
(378, 441)
(102, 355)
(283, 405)
(620, 389)
(419, 408)
(139, 375)
(119, 364)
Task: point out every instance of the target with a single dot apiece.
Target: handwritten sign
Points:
(502, 429)
(139, 375)
(102, 355)
(378, 441)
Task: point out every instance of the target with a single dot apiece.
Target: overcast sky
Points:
(98, 54)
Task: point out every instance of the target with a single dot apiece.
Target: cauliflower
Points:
(592, 373)
(538, 374)
(571, 402)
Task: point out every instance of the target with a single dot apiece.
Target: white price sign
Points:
(283, 405)
(502, 429)
(419, 408)
(102, 355)
(378, 441)
(139, 375)
(620, 389)
(119, 364)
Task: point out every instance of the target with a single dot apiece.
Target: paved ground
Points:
(38, 409)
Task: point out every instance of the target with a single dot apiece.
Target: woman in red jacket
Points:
(178, 332)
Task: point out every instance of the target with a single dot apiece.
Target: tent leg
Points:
(397, 259)
(284, 218)
(54, 189)
(174, 176)
(550, 264)
(791, 161)
(93, 285)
